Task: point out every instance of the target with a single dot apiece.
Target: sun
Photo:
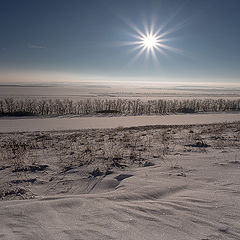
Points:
(150, 41)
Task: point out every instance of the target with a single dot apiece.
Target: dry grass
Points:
(29, 159)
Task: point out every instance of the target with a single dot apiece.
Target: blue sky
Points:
(87, 38)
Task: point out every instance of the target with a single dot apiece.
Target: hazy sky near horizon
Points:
(96, 39)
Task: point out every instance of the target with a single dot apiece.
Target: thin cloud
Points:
(34, 46)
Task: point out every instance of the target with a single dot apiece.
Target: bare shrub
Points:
(28, 107)
(113, 154)
(8, 192)
(17, 151)
(88, 154)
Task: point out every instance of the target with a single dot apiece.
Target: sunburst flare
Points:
(153, 43)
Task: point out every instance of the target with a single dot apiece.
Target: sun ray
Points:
(130, 43)
(146, 29)
(173, 29)
(137, 30)
(161, 51)
(135, 48)
(155, 59)
(134, 35)
(137, 55)
(172, 49)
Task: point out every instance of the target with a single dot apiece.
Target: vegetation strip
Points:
(44, 107)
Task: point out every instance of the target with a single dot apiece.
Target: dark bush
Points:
(17, 114)
(34, 107)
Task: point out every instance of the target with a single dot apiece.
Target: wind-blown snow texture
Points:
(191, 193)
